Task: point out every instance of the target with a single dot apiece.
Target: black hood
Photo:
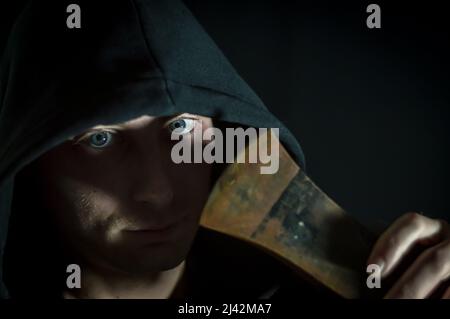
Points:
(129, 58)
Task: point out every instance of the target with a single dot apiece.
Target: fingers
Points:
(407, 231)
(425, 275)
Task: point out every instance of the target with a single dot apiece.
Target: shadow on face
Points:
(119, 200)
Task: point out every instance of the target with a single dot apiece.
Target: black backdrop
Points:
(369, 106)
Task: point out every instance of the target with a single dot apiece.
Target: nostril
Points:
(156, 198)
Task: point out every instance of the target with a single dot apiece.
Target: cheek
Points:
(81, 209)
(192, 186)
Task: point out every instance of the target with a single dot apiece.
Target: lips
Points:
(157, 228)
(154, 234)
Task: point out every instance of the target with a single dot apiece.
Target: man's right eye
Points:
(98, 139)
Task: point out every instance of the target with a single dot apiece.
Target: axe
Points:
(289, 217)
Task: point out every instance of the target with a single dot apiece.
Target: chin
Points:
(153, 258)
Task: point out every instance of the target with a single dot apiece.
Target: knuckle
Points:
(414, 219)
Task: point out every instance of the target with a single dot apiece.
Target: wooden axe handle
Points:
(288, 216)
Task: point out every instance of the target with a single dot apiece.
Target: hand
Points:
(430, 270)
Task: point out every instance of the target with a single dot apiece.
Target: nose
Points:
(153, 186)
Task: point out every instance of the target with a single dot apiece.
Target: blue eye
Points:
(181, 126)
(100, 139)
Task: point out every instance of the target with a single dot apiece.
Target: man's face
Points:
(118, 198)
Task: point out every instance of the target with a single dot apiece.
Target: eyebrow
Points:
(113, 127)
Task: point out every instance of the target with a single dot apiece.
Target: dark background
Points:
(369, 106)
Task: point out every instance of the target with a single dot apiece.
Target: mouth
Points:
(155, 235)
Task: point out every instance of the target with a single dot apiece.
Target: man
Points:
(87, 177)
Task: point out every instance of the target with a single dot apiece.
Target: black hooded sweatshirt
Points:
(129, 58)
